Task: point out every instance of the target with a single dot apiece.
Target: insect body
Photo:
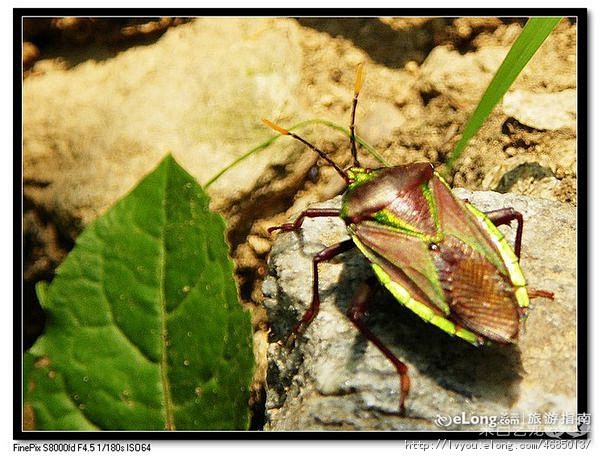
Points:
(439, 256)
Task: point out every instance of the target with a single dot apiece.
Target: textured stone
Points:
(90, 132)
(446, 70)
(335, 380)
(543, 111)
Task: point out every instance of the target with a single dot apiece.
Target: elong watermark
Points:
(580, 423)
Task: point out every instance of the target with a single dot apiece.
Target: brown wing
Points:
(406, 259)
(457, 221)
(464, 277)
(479, 296)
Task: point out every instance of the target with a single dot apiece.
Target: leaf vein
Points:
(113, 318)
(169, 425)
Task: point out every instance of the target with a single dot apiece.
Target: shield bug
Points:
(438, 255)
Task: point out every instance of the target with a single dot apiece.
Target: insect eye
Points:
(433, 246)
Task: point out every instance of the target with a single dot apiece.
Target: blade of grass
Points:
(272, 139)
(534, 33)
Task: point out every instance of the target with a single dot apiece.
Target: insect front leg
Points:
(358, 308)
(310, 213)
(504, 217)
(324, 255)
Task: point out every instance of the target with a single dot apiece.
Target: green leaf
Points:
(531, 38)
(144, 329)
(45, 391)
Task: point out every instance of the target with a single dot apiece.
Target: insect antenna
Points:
(323, 155)
(357, 86)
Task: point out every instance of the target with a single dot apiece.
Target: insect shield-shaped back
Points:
(438, 255)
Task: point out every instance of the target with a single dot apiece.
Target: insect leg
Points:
(358, 308)
(504, 217)
(310, 213)
(535, 293)
(311, 312)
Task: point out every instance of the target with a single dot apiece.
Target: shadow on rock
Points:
(393, 48)
(490, 373)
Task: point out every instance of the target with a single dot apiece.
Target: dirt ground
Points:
(424, 76)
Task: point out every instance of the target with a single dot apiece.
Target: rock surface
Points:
(543, 111)
(92, 131)
(334, 380)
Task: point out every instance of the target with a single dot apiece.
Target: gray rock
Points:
(335, 380)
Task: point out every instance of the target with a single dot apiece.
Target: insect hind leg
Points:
(535, 293)
(359, 306)
(504, 217)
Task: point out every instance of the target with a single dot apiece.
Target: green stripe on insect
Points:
(522, 297)
(434, 282)
(387, 218)
(427, 193)
(506, 252)
(423, 311)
